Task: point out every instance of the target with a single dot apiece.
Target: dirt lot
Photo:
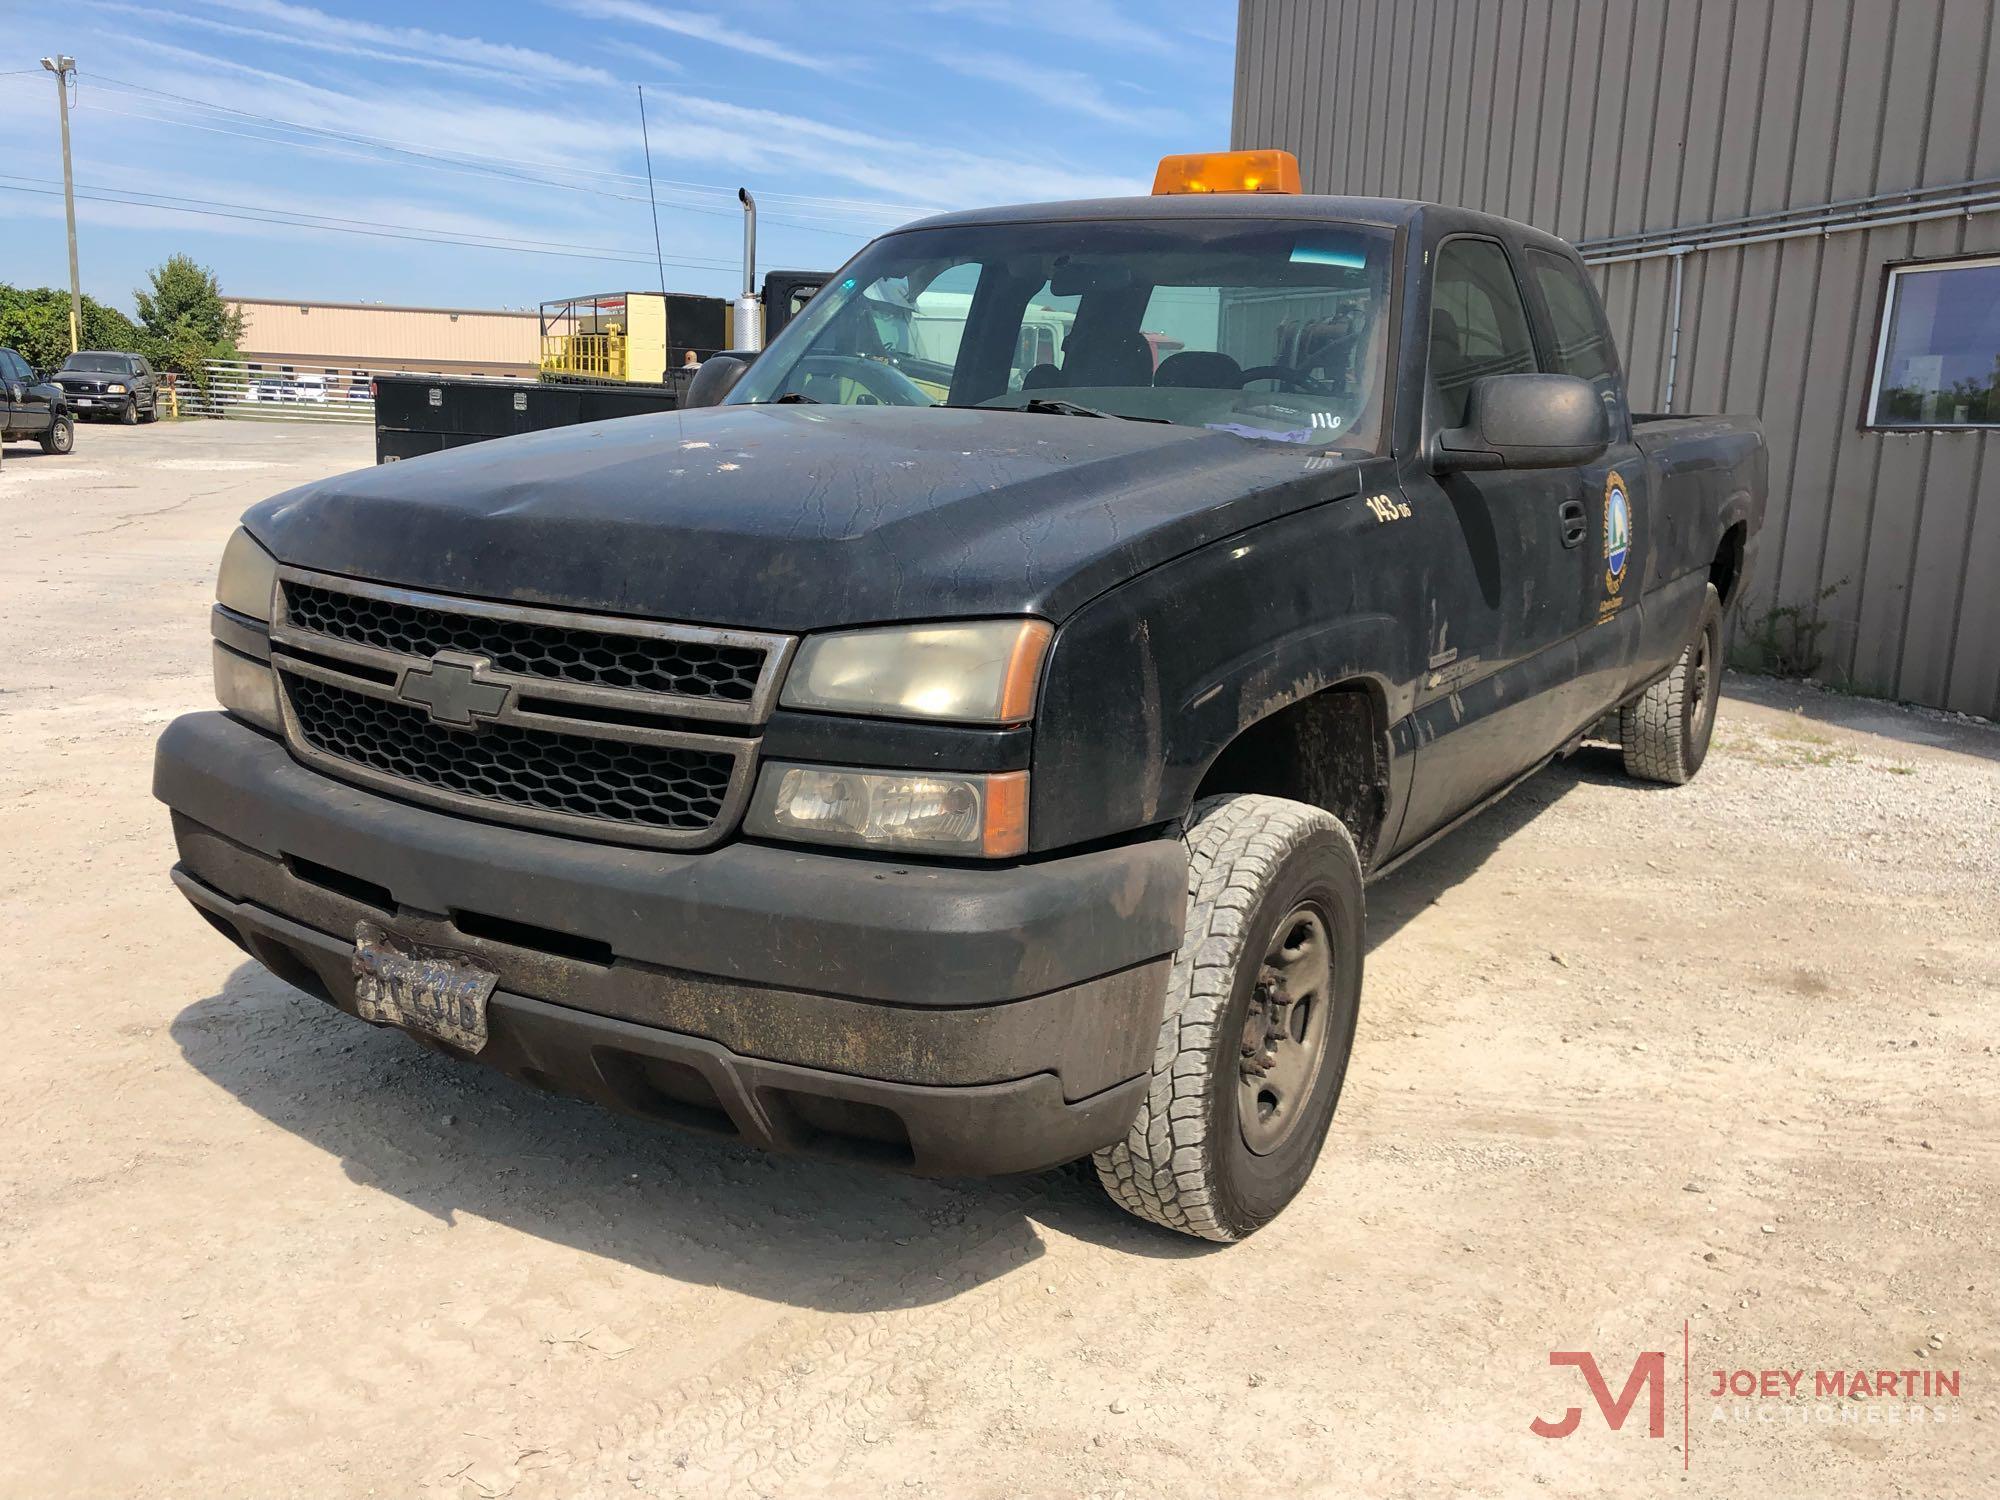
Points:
(1631, 1061)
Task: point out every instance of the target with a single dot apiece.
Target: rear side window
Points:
(1583, 343)
(1479, 325)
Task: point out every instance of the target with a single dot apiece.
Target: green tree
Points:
(186, 293)
(35, 322)
(186, 321)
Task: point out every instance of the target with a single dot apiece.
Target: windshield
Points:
(1271, 330)
(112, 364)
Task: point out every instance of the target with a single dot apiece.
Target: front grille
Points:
(630, 731)
(614, 783)
(682, 666)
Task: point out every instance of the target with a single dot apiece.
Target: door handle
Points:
(1574, 523)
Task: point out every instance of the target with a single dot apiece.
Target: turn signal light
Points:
(1228, 172)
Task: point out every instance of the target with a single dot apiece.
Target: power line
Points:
(854, 210)
(443, 165)
(374, 231)
(300, 213)
(873, 208)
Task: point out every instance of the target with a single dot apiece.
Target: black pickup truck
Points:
(111, 382)
(978, 781)
(31, 407)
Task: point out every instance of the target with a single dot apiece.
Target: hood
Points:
(799, 517)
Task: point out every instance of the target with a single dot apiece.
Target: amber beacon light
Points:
(1228, 172)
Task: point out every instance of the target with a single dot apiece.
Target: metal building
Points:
(1794, 208)
(372, 336)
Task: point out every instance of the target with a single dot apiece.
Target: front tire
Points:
(128, 415)
(61, 436)
(1259, 1022)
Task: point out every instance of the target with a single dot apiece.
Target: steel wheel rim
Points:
(1706, 684)
(1284, 1031)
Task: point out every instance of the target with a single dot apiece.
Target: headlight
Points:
(247, 687)
(978, 671)
(248, 577)
(114, 390)
(973, 817)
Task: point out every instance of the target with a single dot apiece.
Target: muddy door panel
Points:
(1499, 657)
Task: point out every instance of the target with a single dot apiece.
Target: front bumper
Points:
(84, 401)
(941, 1019)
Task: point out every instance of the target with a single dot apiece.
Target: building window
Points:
(1937, 361)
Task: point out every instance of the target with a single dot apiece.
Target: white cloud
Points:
(1096, 22)
(658, 61)
(916, 172)
(704, 28)
(697, 132)
(1060, 88)
(414, 43)
(303, 27)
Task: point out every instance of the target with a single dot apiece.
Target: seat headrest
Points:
(1203, 369)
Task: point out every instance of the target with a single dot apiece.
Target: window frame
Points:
(1885, 307)
(1529, 317)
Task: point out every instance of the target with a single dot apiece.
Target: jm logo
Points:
(1649, 1369)
(453, 688)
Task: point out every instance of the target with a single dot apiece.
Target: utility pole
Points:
(62, 65)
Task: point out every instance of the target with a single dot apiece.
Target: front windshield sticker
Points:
(1296, 435)
(1321, 255)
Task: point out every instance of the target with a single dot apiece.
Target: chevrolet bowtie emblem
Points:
(452, 688)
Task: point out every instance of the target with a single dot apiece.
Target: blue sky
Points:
(517, 122)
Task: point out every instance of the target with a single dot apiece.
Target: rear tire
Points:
(61, 436)
(1259, 1022)
(1665, 730)
(152, 411)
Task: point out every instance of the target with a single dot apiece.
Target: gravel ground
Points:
(1632, 1062)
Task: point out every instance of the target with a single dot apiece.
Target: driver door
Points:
(1503, 561)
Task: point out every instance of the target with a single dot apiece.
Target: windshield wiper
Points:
(796, 398)
(1053, 406)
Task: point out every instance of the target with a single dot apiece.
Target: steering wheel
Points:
(888, 385)
(1285, 375)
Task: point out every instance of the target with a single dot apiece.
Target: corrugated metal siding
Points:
(1598, 117)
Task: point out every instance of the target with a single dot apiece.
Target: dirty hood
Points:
(800, 517)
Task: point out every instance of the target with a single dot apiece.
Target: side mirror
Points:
(1525, 422)
(16, 391)
(715, 379)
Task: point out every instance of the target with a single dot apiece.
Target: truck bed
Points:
(419, 414)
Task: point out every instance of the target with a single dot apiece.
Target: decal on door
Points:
(1617, 544)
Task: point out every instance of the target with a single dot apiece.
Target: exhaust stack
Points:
(749, 309)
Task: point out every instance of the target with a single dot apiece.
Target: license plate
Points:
(432, 990)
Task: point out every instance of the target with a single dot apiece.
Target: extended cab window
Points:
(1479, 325)
(1583, 344)
(1272, 331)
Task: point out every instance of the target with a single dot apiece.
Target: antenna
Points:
(646, 137)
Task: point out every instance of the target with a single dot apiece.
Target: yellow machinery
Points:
(636, 337)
